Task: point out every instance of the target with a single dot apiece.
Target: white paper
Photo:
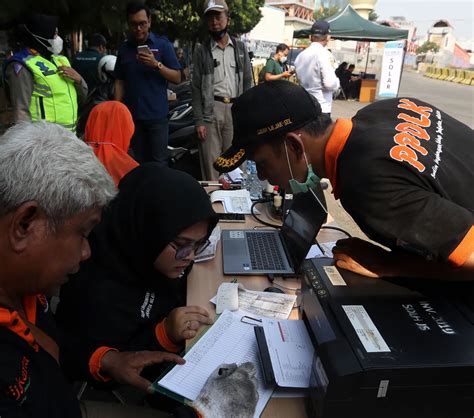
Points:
(365, 329)
(234, 201)
(264, 304)
(227, 297)
(235, 175)
(334, 276)
(210, 252)
(326, 247)
(291, 352)
(228, 341)
(314, 252)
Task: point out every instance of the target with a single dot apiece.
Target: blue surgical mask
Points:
(312, 179)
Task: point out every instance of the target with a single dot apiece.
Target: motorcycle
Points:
(183, 141)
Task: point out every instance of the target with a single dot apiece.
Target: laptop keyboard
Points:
(263, 249)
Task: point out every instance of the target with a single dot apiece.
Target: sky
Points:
(459, 13)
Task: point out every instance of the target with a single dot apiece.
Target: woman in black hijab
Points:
(131, 294)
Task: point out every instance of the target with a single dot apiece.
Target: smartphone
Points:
(231, 217)
(144, 48)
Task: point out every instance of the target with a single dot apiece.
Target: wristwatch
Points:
(159, 66)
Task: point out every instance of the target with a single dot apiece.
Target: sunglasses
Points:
(185, 251)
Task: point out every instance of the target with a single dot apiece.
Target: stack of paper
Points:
(234, 201)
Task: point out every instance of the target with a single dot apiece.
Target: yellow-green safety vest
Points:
(54, 98)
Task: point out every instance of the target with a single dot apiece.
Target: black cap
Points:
(42, 25)
(320, 27)
(264, 112)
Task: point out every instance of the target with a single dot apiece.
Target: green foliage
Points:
(183, 19)
(324, 12)
(177, 19)
(373, 16)
(428, 46)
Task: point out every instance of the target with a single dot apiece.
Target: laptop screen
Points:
(303, 222)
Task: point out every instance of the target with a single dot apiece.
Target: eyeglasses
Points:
(139, 25)
(184, 251)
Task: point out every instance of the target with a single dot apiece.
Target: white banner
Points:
(392, 65)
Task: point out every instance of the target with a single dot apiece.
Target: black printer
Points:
(388, 348)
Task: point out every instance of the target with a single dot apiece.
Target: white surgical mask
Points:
(54, 45)
(283, 60)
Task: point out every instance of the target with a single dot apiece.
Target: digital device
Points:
(388, 347)
(231, 217)
(144, 48)
(276, 252)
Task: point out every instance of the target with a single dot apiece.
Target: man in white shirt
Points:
(314, 69)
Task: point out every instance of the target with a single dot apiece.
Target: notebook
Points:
(276, 252)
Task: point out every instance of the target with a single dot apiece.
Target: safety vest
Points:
(54, 98)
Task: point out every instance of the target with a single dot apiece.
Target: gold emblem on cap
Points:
(274, 127)
(230, 162)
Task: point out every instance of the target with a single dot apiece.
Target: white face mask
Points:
(283, 60)
(54, 45)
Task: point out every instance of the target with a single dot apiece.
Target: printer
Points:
(387, 348)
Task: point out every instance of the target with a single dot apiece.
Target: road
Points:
(457, 100)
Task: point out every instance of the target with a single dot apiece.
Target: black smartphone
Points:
(231, 217)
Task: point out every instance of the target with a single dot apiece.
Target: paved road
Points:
(457, 100)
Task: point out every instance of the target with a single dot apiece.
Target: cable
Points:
(260, 220)
(337, 229)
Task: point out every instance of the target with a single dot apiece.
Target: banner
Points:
(392, 65)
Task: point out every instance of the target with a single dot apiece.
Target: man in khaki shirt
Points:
(221, 73)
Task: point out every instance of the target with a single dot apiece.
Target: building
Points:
(450, 53)
(298, 15)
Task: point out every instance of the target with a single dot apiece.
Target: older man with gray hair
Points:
(52, 191)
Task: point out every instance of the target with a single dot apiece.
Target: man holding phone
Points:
(145, 64)
(273, 69)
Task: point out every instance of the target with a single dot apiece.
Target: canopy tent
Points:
(349, 25)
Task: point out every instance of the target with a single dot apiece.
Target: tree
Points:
(183, 19)
(373, 16)
(428, 46)
(324, 12)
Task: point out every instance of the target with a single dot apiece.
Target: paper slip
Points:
(235, 175)
(291, 352)
(210, 252)
(326, 247)
(227, 297)
(264, 304)
(228, 341)
(234, 201)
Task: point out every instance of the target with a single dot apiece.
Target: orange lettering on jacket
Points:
(413, 129)
(17, 390)
(403, 153)
(420, 110)
(404, 138)
(421, 121)
(410, 132)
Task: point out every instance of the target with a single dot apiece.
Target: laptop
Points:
(276, 252)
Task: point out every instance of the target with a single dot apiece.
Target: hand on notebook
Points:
(229, 391)
(125, 367)
(363, 258)
(183, 323)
